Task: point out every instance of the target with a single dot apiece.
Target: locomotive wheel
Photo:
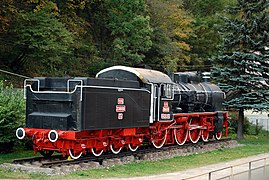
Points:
(205, 135)
(115, 151)
(181, 135)
(194, 134)
(159, 139)
(46, 153)
(97, 153)
(73, 156)
(132, 148)
(218, 135)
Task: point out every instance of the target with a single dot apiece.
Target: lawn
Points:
(252, 145)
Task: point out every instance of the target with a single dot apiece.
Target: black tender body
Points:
(93, 108)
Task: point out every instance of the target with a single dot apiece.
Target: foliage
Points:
(248, 127)
(12, 115)
(43, 40)
(130, 30)
(243, 64)
(172, 27)
(46, 38)
(205, 38)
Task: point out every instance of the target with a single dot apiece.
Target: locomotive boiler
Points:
(122, 107)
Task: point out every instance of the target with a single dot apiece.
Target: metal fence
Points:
(252, 170)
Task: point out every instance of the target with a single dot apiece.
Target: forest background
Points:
(81, 37)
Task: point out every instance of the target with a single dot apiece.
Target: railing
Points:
(68, 91)
(235, 171)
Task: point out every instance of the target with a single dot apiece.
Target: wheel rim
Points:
(97, 154)
(115, 151)
(160, 140)
(205, 135)
(73, 156)
(133, 149)
(218, 135)
(181, 136)
(194, 134)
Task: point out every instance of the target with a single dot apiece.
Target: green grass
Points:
(252, 145)
(6, 158)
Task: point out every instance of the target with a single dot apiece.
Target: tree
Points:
(244, 62)
(42, 41)
(172, 27)
(205, 38)
(130, 30)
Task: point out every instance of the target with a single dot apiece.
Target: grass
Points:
(252, 145)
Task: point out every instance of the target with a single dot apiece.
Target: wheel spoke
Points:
(194, 134)
(181, 136)
(160, 140)
(205, 135)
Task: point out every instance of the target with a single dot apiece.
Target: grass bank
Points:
(252, 145)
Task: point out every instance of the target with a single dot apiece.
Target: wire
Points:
(14, 74)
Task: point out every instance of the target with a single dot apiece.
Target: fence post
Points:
(232, 173)
(249, 171)
(209, 175)
(264, 167)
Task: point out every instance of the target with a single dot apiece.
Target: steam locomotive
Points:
(123, 107)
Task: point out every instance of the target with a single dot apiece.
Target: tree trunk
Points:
(240, 124)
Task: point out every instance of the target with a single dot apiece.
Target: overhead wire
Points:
(14, 74)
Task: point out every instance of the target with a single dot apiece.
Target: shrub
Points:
(12, 115)
(248, 127)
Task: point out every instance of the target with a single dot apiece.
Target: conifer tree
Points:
(243, 66)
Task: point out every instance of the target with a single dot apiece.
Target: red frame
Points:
(100, 140)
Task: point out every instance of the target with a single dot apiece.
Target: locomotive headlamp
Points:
(53, 136)
(20, 133)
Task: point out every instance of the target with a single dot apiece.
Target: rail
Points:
(26, 83)
(233, 174)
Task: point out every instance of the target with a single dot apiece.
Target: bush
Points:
(248, 127)
(12, 115)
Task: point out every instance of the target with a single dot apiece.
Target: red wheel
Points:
(181, 135)
(116, 146)
(115, 150)
(218, 135)
(158, 139)
(137, 142)
(194, 133)
(73, 155)
(97, 153)
(132, 148)
(205, 134)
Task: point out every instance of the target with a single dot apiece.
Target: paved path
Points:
(206, 169)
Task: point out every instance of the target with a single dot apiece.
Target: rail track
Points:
(58, 160)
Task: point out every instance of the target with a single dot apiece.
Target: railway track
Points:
(58, 160)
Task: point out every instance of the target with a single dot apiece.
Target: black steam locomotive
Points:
(122, 107)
